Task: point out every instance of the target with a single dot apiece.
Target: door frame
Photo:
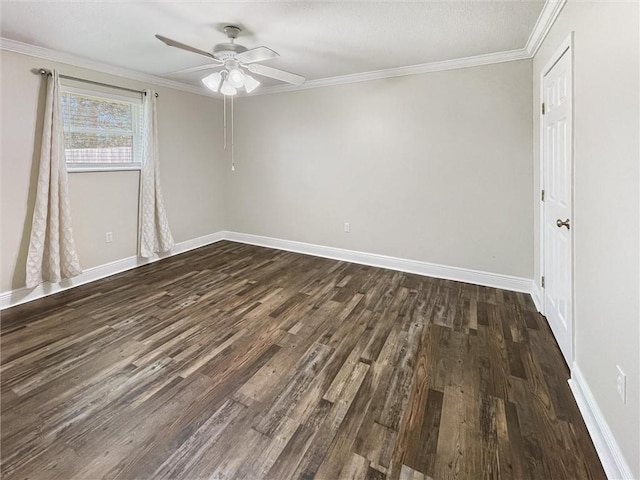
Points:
(567, 45)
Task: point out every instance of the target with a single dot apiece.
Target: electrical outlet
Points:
(347, 227)
(621, 384)
(109, 237)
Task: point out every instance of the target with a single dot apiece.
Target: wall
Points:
(191, 159)
(606, 203)
(434, 167)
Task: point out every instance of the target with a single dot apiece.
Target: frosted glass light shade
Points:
(227, 88)
(212, 82)
(236, 78)
(250, 83)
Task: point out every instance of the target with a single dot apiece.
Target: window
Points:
(101, 130)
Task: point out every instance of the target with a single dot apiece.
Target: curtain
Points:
(52, 253)
(155, 235)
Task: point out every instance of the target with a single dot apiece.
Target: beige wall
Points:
(192, 164)
(606, 203)
(434, 167)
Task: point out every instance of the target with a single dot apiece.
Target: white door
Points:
(557, 168)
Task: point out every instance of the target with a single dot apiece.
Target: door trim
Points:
(567, 45)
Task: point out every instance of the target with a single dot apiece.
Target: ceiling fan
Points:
(234, 61)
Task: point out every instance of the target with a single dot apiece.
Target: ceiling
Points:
(315, 39)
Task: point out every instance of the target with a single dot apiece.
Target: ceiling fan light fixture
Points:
(212, 82)
(235, 61)
(236, 78)
(227, 88)
(250, 83)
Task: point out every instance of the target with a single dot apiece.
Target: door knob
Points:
(561, 224)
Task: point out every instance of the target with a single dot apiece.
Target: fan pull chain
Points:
(233, 160)
(224, 121)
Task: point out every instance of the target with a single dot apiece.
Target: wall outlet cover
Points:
(621, 384)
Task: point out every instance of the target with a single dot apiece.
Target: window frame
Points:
(136, 101)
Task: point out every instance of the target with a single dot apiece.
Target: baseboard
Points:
(536, 295)
(496, 280)
(607, 448)
(23, 295)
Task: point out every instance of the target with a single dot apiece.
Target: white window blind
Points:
(101, 131)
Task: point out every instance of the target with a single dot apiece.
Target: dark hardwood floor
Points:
(234, 361)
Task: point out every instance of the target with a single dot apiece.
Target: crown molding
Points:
(547, 17)
(475, 61)
(70, 59)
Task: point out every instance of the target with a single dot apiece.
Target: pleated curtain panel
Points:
(155, 235)
(52, 253)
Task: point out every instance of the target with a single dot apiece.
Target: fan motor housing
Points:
(227, 51)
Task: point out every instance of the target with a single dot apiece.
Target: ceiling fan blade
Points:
(173, 43)
(209, 66)
(277, 74)
(258, 54)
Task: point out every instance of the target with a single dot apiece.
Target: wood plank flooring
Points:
(234, 361)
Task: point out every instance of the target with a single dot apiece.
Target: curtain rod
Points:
(42, 71)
